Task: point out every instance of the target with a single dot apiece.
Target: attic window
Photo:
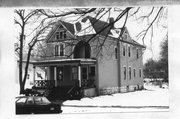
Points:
(60, 35)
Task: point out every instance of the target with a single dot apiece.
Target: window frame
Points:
(124, 50)
(61, 50)
(61, 34)
(129, 51)
(58, 51)
(62, 75)
(140, 73)
(130, 72)
(74, 73)
(124, 72)
(137, 53)
(134, 72)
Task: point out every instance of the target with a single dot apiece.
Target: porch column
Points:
(34, 74)
(79, 75)
(55, 76)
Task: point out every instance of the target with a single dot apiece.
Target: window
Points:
(137, 53)
(57, 36)
(134, 72)
(130, 73)
(74, 73)
(129, 51)
(140, 73)
(124, 73)
(116, 52)
(60, 35)
(64, 34)
(60, 73)
(124, 51)
(61, 50)
(92, 71)
(56, 50)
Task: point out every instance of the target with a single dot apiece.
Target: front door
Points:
(60, 72)
(84, 76)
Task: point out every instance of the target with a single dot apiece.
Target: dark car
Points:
(36, 105)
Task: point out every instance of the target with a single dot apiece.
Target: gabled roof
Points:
(98, 25)
(67, 25)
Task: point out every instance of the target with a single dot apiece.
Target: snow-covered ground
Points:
(151, 99)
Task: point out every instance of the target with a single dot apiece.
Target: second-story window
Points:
(59, 50)
(137, 53)
(56, 50)
(124, 50)
(129, 51)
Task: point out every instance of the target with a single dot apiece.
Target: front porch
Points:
(68, 75)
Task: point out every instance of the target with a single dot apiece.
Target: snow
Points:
(151, 99)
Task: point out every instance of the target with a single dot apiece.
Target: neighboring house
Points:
(40, 73)
(74, 62)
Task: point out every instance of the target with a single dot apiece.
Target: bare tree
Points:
(155, 15)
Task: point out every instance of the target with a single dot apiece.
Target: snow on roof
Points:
(89, 26)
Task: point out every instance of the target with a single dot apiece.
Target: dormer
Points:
(62, 31)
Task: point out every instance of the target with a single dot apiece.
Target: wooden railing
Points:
(44, 84)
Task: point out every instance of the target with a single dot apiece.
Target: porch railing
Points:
(44, 84)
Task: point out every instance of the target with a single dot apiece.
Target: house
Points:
(40, 73)
(97, 64)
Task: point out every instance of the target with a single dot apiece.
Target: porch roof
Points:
(64, 62)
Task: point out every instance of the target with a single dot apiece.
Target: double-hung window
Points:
(59, 50)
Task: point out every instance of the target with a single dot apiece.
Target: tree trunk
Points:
(21, 63)
(27, 65)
